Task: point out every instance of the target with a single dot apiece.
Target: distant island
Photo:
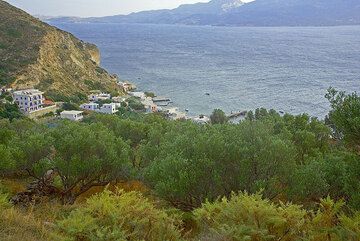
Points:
(238, 13)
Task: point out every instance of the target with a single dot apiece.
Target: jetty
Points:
(161, 99)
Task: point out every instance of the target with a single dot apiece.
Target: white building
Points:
(173, 113)
(4, 90)
(101, 96)
(140, 95)
(126, 86)
(108, 108)
(29, 100)
(72, 115)
(149, 105)
(90, 106)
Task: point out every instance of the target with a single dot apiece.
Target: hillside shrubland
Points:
(270, 177)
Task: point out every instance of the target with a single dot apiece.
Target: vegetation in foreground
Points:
(270, 177)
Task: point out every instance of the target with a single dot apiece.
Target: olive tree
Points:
(88, 156)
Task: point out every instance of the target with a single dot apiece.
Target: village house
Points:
(90, 106)
(29, 100)
(125, 86)
(149, 105)
(108, 108)
(32, 103)
(140, 95)
(72, 115)
(5, 90)
(97, 97)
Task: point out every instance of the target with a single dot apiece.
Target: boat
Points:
(187, 110)
(207, 93)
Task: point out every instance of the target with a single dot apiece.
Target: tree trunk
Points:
(68, 199)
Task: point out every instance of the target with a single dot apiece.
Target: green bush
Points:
(10, 111)
(250, 217)
(218, 117)
(135, 104)
(119, 216)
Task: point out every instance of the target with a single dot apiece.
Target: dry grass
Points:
(16, 225)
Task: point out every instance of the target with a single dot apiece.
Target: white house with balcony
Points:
(90, 106)
(72, 115)
(108, 108)
(29, 100)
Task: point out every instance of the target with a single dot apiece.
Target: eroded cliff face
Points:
(37, 55)
(66, 66)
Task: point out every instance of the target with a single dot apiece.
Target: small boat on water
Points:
(187, 110)
(207, 94)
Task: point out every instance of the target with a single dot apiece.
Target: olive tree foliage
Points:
(7, 163)
(344, 116)
(87, 156)
(192, 163)
(81, 155)
(187, 163)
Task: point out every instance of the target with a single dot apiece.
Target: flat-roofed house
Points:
(101, 96)
(72, 115)
(29, 100)
(90, 106)
(109, 108)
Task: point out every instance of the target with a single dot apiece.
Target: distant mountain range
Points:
(238, 13)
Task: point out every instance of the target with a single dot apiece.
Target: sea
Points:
(202, 68)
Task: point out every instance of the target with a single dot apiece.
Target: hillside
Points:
(35, 54)
(238, 13)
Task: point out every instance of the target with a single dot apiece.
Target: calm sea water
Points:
(288, 69)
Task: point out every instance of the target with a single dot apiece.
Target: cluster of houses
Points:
(33, 104)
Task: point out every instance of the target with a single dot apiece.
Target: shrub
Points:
(119, 216)
(218, 117)
(250, 217)
(135, 104)
(149, 94)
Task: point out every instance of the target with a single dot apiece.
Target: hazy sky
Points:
(94, 7)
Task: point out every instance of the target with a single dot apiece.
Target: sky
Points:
(94, 8)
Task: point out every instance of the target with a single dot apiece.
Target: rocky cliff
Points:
(34, 54)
